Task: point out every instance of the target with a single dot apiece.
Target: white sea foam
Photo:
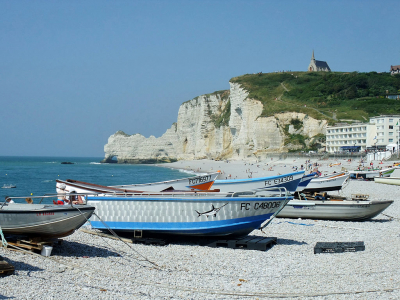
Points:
(94, 163)
(187, 171)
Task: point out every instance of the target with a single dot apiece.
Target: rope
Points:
(3, 239)
(116, 236)
(117, 277)
(93, 273)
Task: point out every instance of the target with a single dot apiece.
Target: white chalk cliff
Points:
(225, 125)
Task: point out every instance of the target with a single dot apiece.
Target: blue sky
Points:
(72, 73)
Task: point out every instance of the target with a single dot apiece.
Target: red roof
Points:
(394, 68)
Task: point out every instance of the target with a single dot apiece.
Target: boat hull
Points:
(333, 182)
(192, 215)
(198, 183)
(305, 180)
(388, 180)
(43, 220)
(289, 181)
(371, 174)
(334, 210)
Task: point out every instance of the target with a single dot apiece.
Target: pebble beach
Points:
(87, 266)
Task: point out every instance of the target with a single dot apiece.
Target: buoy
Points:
(31, 194)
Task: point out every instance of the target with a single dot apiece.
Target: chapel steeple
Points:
(318, 65)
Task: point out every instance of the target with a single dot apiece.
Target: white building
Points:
(386, 129)
(345, 135)
(379, 132)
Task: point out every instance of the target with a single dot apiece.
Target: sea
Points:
(36, 176)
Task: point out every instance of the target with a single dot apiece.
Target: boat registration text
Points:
(45, 214)
(200, 179)
(279, 180)
(260, 205)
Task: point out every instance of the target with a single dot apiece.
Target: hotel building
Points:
(379, 132)
(347, 135)
(386, 129)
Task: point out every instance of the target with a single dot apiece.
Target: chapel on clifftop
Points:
(318, 65)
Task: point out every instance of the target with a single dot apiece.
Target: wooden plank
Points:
(30, 245)
(6, 268)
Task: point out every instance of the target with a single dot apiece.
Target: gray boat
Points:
(42, 220)
(336, 208)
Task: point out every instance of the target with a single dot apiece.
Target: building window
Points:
(390, 126)
(390, 133)
(390, 120)
(390, 140)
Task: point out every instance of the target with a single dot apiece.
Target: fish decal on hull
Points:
(212, 212)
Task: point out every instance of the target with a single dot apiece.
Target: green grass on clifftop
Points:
(332, 96)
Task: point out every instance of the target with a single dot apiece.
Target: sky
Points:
(72, 73)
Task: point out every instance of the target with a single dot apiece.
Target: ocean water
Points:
(37, 176)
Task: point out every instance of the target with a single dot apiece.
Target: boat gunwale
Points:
(165, 182)
(54, 208)
(341, 202)
(247, 180)
(326, 178)
(189, 198)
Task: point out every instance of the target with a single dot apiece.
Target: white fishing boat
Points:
(332, 182)
(334, 208)
(370, 174)
(76, 186)
(290, 181)
(191, 213)
(42, 220)
(9, 186)
(198, 183)
(388, 180)
(305, 180)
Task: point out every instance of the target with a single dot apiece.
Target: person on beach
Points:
(79, 200)
(9, 200)
(61, 195)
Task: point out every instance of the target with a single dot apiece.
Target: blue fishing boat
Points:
(289, 181)
(193, 213)
(305, 180)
